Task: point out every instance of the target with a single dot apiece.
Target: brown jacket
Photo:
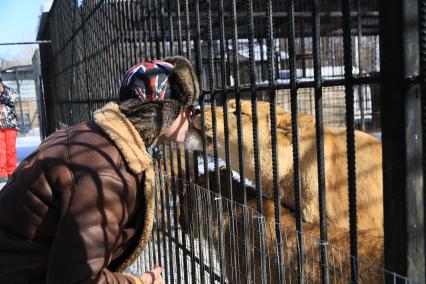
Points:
(80, 208)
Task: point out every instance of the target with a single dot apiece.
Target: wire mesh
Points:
(198, 211)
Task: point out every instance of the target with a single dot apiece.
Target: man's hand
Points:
(153, 276)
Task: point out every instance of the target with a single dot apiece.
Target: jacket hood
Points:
(130, 144)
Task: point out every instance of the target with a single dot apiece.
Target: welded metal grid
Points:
(189, 250)
(272, 51)
(95, 43)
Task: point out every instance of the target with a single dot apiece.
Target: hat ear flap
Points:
(183, 81)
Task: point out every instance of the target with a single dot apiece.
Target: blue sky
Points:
(18, 22)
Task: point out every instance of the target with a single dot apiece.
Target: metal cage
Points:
(351, 64)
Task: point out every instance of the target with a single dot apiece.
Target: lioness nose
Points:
(196, 121)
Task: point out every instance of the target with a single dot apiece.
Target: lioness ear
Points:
(232, 105)
(284, 121)
(305, 120)
(246, 107)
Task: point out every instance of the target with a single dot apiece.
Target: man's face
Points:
(177, 131)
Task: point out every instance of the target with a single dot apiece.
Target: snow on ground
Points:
(26, 145)
(210, 164)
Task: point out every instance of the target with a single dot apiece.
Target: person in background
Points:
(8, 131)
(80, 208)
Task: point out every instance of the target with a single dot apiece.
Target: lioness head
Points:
(283, 122)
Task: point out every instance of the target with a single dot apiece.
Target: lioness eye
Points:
(242, 113)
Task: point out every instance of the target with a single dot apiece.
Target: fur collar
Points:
(125, 137)
(128, 140)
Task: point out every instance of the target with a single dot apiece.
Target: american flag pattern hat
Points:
(147, 81)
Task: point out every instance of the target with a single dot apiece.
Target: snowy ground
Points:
(25, 146)
(210, 164)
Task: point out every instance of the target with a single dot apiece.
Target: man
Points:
(8, 131)
(80, 208)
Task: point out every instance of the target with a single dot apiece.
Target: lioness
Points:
(368, 164)
(242, 223)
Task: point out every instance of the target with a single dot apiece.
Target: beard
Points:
(193, 140)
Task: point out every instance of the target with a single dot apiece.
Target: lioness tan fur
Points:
(370, 242)
(368, 164)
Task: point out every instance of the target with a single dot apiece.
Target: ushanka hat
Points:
(171, 79)
(153, 93)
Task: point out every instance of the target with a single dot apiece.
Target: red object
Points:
(7, 151)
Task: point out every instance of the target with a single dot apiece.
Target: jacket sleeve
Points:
(87, 234)
(8, 97)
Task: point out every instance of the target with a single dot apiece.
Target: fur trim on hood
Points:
(130, 144)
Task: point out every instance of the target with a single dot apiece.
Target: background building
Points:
(22, 80)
